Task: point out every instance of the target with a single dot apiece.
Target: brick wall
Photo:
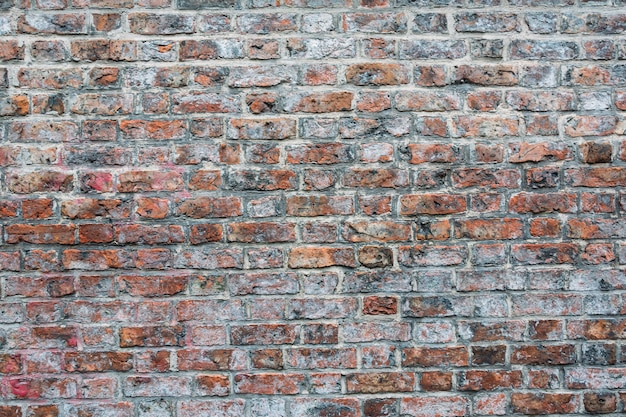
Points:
(312, 208)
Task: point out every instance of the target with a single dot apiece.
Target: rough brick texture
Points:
(312, 208)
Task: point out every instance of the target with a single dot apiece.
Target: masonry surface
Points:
(312, 208)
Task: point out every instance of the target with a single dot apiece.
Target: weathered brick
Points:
(427, 101)
(374, 22)
(141, 181)
(153, 129)
(541, 50)
(267, 23)
(543, 203)
(544, 355)
(284, 384)
(543, 403)
(542, 101)
(454, 406)
(432, 357)
(382, 231)
(439, 255)
(596, 177)
(61, 24)
(376, 178)
(485, 126)
(160, 24)
(477, 229)
(430, 23)
(208, 49)
(268, 180)
(432, 49)
(40, 181)
(599, 402)
(486, 22)
(537, 152)
(380, 382)
(50, 78)
(42, 234)
(485, 177)
(320, 153)
(548, 177)
(432, 204)
(320, 48)
(200, 102)
(269, 129)
(318, 102)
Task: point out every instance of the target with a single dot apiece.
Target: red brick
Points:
(435, 306)
(322, 153)
(89, 208)
(476, 380)
(42, 234)
(320, 358)
(427, 102)
(152, 336)
(577, 126)
(382, 231)
(374, 305)
(483, 177)
(546, 253)
(453, 406)
(485, 126)
(318, 102)
(543, 203)
(596, 202)
(267, 180)
(541, 403)
(151, 286)
(478, 229)
(213, 385)
(319, 74)
(275, 128)
(380, 382)
(434, 357)
(484, 100)
(599, 402)
(205, 360)
(202, 207)
(153, 361)
(544, 355)
(377, 74)
(321, 257)
(98, 361)
(436, 381)
(547, 304)
(376, 178)
(373, 102)
(492, 331)
(541, 101)
(141, 181)
(597, 177)
(424, 255)
(491, 404)
(303, 308)
(268, 384)
(319, 205)
(261, 232)
(545, 227)
(489, 355)
(149, 235)
(40, 181)
(155, 129)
